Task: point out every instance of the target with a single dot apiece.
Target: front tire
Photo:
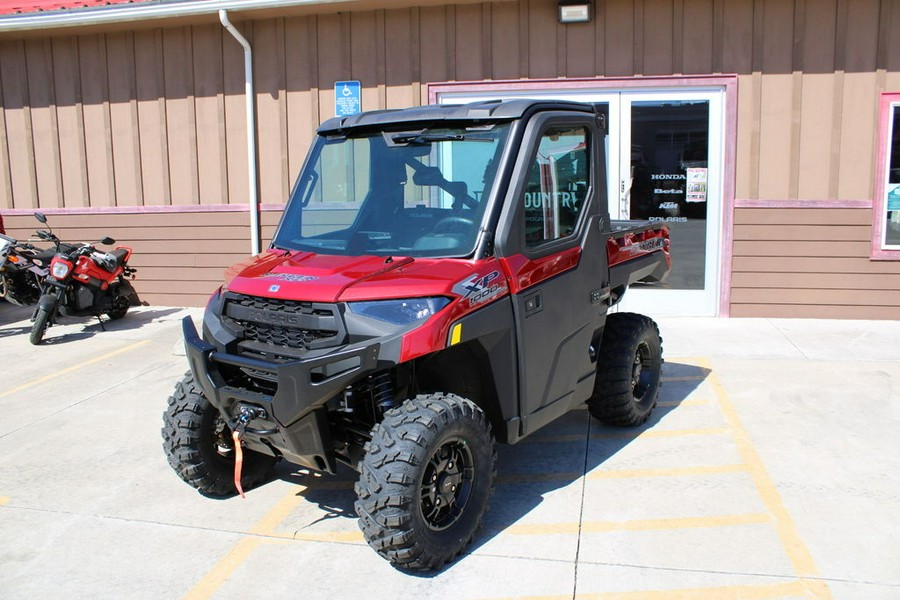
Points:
(628, 370)
(41, 321)
(425, 481)
(199, 447)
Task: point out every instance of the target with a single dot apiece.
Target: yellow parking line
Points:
(264, 532)
(685, 378)
(731, 592)
(619, 474)
(677, 403)
(537, 477)
(331, 536)
(4, 500)
(671, 472)
(222, 570)
(554, 439)
(638, 525)
(623, 435)
(796, 550)
(74, 368)
(761, 591)
(666, 403)
(662, 433)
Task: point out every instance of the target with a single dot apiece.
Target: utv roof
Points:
(486, 110)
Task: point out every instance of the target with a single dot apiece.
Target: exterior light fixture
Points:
(574, 11)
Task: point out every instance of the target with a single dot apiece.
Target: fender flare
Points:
(49, 302)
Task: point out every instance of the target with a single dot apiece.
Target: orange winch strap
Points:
(238, 461)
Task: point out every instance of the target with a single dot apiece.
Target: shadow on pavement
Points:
(527, 471)
(91, 326)
(11, 313)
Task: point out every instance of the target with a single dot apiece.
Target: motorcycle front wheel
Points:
(41, 321)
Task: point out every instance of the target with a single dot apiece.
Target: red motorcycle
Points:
(82, 281)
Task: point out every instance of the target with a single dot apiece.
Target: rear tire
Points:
(199, 447)
(41, 321)
(628, 370)
(425, 481)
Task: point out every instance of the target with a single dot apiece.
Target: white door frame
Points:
(708, 301)
(702, 302)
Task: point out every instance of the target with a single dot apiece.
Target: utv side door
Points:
(550, 242)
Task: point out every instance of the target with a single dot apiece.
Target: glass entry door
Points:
(664, 163)
(670, 170)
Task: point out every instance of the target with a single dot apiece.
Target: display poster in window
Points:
(697, 179)
(893, 196)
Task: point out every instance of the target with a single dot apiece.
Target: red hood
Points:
(328, 278)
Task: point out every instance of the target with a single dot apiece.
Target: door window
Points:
(557, 186)
(670, 178)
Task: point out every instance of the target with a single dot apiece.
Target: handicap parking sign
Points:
(347, 98)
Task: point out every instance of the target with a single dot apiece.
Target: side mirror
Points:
(107, 241)
(41, 217)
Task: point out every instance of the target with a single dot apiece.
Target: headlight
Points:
(60, 269)
(399, 312)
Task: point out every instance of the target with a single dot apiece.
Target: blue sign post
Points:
(347, 98)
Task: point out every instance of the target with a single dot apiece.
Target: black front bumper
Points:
(295, 425)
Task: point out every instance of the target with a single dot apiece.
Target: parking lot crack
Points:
(584, 471)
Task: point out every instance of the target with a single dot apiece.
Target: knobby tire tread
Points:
(612, 401)
(388, 487)
(185, 416)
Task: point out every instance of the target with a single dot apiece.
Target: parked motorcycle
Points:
(82, 281)
(22, 269)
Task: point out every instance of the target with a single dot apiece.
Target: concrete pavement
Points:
(770, 469)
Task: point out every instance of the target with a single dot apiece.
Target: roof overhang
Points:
(152, 13)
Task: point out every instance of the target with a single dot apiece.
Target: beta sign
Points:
(347, 98)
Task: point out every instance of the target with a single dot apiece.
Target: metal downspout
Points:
(252, 173)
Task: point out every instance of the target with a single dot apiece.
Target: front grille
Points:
(283, 336)
(285, 323)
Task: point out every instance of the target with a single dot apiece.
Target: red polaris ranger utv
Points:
(439, 282)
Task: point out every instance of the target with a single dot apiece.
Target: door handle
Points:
(624, 203)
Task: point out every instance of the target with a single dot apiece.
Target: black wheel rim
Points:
(447, 484)
(641, 372)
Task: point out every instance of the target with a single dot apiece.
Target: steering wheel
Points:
(453, 224)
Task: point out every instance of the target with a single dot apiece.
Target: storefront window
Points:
(891, 239)
(886, 213)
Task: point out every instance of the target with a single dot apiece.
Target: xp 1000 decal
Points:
(481, 288)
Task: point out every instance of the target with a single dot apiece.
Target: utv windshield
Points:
(401, 193)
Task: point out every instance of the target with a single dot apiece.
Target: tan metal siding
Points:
(810, 263)
(151, 110)
(155, 117)
(20, 163)
(124, 120)
(181, 129)
(209, 103)
(82, 128)
(180, 256)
